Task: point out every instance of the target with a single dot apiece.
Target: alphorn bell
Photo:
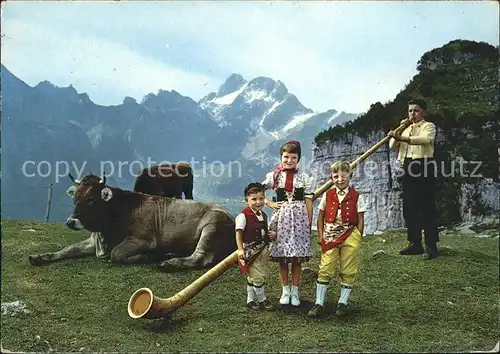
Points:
(143, 304)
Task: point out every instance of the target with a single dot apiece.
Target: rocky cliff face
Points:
(377, 179)
(488, 193)
(373, 178)
(460, 83)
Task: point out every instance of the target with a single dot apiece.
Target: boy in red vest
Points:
(340, 232)
(252, 238)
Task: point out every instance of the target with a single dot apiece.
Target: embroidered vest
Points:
(253, 229)
(348, 206)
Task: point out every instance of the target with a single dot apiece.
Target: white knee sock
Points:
(250, 293)
(321, 293)
(259, 291)
(345, 290)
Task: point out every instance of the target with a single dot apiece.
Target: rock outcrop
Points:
(377, 179)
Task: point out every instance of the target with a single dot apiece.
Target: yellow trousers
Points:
(258, 270)
(346, 255)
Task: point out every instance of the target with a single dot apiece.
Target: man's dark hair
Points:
(419, 102)
(254, 187)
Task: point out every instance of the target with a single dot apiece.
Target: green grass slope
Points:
(400, 303)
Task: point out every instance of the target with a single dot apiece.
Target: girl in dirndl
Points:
(292, 219)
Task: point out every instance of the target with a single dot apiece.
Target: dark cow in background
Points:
(139, 228)
(168, 180)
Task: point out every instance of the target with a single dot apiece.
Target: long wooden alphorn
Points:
(143, 304)
(405, 124)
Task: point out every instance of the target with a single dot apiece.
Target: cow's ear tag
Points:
(106, 194)
(71, 191)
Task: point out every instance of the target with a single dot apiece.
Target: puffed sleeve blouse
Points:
(300, 180)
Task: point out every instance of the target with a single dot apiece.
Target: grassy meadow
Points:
(400, 304)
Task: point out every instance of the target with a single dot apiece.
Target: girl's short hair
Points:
(292, 147)
(341, 166)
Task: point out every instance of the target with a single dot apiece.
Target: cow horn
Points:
(75, 181)
(103, 179)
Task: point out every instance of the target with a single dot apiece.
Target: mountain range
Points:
(231, 137)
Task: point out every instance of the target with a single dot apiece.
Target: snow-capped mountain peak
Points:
(230, 97)
(295, 121)
(262, 112)
(232, 83)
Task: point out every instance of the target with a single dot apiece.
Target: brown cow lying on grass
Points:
(139, 228)
(168, 180)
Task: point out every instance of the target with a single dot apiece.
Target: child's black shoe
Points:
(252, 305)
(316, 311)
(341, 310)
(266, 305)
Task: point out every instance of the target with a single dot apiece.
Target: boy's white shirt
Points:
(241, 221)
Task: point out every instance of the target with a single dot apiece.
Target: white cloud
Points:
(314, 64)
(92, 65)
(342, 55)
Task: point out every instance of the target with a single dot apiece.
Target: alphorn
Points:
(405, 124)
(144, 304)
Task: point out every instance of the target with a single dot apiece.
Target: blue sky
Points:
(341, 55)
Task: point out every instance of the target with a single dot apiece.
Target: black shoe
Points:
(316, 311)
(341, 310)
(252, 305)
(431, 253)
(412, 249)
(266, 305)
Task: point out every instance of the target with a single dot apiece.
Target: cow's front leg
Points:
(80, 249)
(131, 251)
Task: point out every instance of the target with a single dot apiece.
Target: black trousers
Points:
(419, 200)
